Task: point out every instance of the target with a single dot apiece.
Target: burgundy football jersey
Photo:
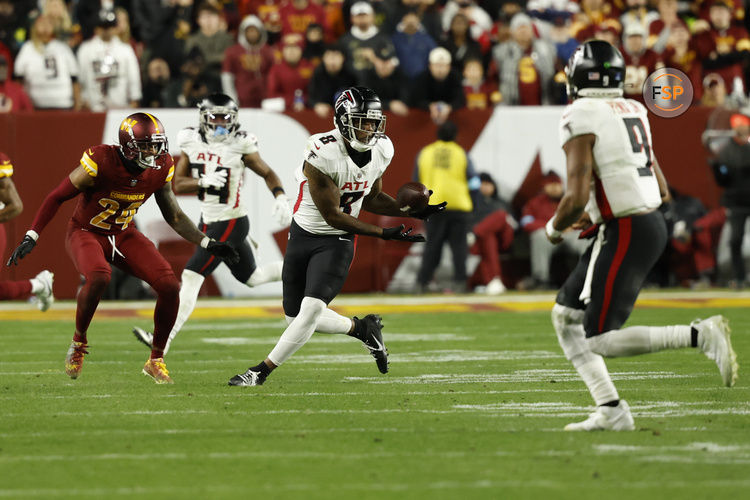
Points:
(109, 206)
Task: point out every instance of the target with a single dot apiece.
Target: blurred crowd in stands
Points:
(437, 55)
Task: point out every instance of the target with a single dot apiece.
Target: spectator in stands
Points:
(412, 44)
(637, 11)
(549, 13)
(125, 33)
(156, 85)
(536, 212)
(594, 15)
(212, 38)
(480, 22)
(86, 13)
(194, 84)
(429, 14)
(297, 15)
(493, 231)
(385, 14)
(12, 26)
(680, 54)
(714, 91)
(732, 170)
(438, 90)
(363, 38)
(723, 47)
(315, 43)
(526, 65)
(479, 92)
(163, 28)
(459, 42)
(608, 33)
(12, 95)
(388, 81)
(109, 72)
(639, 60)
(660, 30)
(445, 167)
(328, 79)
(559, 34)
(247, 64)
(289, 77)
(58, 13)
(49, 69)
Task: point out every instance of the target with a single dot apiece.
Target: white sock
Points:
(330, 322)
(36, 286)
(299, 330)
(266, 274)
(189, 290)
(635, 340)
(590, 366)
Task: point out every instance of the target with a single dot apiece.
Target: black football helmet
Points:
(596, 69)
(218, 117)
(354, 108)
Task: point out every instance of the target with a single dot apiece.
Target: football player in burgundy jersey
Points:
(340, 174)
(10, 207)
(615, 182)
(111, 183)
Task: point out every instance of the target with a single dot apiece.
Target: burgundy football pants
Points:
(133, 253)
(11, 290)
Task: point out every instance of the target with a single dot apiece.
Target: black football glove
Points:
(428, 210)
(398, 233)
(22, 250)
(224, 251)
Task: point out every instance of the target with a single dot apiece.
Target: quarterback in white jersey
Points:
(615, 186)
(341, 174)
(212, 164)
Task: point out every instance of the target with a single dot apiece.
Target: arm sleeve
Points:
(62, 193)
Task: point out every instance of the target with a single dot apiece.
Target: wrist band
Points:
(32, 234)
(205, 241)
(275, 191)
(551, 231)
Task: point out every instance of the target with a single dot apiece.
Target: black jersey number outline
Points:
(640, 143)
(197, 169)
(348, 199)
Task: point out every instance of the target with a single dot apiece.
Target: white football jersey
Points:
(225, 203)
(623, 182)
(47, 74)
(327, 153)
(110, 76)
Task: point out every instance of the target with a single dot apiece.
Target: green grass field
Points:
(473, 407)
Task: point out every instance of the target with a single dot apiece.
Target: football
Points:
(413, 196)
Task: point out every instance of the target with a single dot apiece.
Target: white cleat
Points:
(495, 287)
(713, 340)
(606, 418)
(45, 298)
(143, 336)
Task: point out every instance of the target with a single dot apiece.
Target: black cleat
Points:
(147, 338)
(247, 379)
(373, 340)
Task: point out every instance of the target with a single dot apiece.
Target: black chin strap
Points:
(360, 158)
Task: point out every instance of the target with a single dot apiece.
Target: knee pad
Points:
(289, 319)
(599, 344)
(311, 308)
(569, 329)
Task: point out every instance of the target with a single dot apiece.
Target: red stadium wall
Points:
(46, 146)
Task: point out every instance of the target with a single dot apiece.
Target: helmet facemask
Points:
(218, 123)
(363, 130)
(145, 152)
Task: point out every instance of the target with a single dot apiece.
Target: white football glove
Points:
(282, 211)
(215, 179)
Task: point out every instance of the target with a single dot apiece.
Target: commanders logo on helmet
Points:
(596, 69)
(142, 139)
(355, 109)
(218, 117)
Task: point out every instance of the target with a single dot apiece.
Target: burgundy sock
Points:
(15, 290)
(165, 312)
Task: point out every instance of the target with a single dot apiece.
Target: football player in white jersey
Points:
(212, 165)
(615, 183)
(341, 173)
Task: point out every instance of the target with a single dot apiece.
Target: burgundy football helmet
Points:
(142, 139)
